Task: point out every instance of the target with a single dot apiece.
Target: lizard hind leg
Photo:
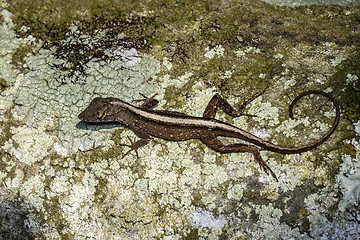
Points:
(262, 163)
(218, 146)
(219, 102)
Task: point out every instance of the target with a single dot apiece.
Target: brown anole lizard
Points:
(175, 126)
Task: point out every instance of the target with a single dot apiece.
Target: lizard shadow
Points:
(97, 126)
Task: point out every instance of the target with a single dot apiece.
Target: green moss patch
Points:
(3, 84)
(183, 30)
(348, 75)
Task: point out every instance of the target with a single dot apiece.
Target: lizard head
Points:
(100, 110)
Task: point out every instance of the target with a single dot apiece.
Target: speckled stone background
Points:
(61, 178)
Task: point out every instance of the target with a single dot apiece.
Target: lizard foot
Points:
(135, 145)
(263, 164)
(242, 107)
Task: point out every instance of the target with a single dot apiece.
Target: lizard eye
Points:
(101, 115)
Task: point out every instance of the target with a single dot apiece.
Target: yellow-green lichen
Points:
(349, 179)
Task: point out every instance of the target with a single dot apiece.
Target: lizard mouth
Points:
(81, 116)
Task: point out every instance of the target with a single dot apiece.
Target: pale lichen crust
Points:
(65, 179)
(349, 176)
(44, 95)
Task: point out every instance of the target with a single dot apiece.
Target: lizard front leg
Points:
(135, 145)
(218, 146)
(218, 102)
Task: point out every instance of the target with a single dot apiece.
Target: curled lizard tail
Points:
(324, 137)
